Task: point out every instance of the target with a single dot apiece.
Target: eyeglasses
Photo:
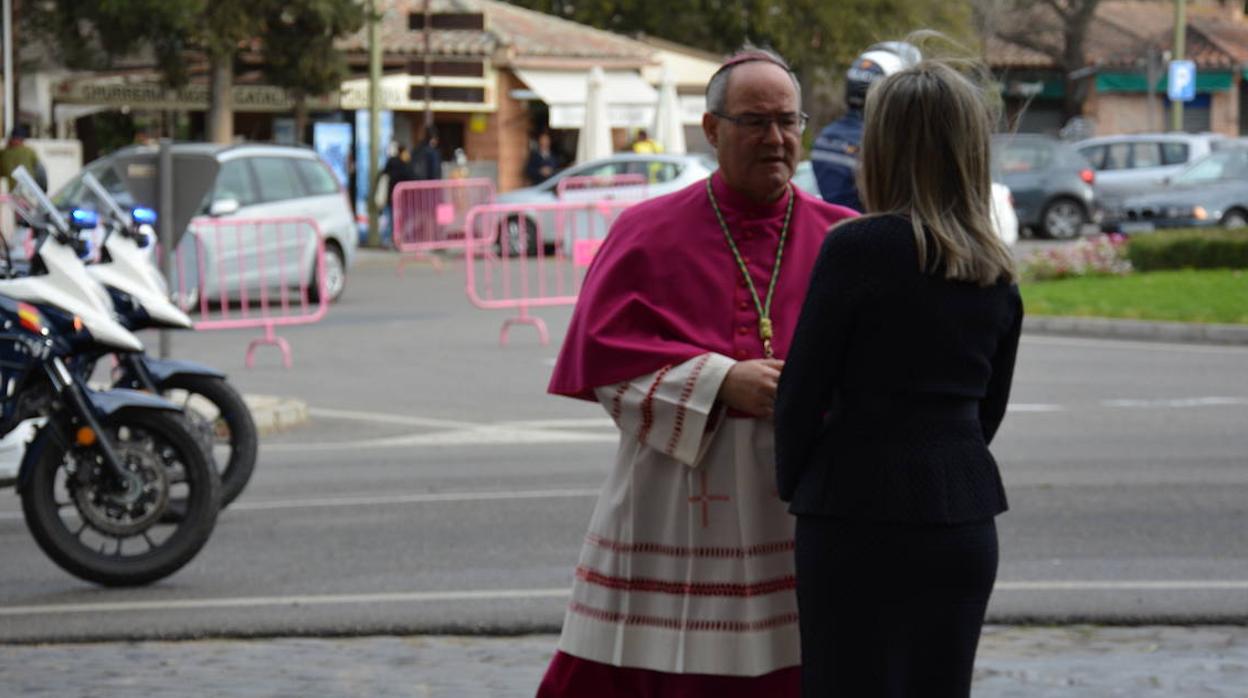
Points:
(792, 122)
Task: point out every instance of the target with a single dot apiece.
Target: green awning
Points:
(1206, 81)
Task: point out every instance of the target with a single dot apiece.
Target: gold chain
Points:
(763, 308)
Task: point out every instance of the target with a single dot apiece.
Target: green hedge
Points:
(1196, 248)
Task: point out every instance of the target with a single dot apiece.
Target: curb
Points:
(274, 414)
(1108, 328)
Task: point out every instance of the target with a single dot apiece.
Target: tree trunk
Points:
(221, 100)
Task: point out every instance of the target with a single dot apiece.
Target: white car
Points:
(625, 176)
(1003, 216)
(255, 181)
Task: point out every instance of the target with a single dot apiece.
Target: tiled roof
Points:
(1122, 32)
(510, 33)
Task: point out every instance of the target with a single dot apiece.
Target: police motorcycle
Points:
(141, 301)
(115, 488)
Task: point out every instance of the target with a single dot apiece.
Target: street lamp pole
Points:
(428, 73)
(374, 122)
(9, 89)
(1180, 36)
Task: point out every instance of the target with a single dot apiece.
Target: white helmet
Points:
(879, 60)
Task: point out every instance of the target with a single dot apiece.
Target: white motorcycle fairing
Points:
(68, 286)
(130, 271)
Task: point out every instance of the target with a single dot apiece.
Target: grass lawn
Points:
(1219, 296)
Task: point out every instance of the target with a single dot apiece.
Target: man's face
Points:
(756, 161)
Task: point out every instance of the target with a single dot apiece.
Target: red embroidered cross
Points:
(705, 499)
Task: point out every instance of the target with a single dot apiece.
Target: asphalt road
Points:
(438, 489)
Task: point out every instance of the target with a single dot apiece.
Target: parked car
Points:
(625, 176)
(804, 178)
(1004, 219)
(1051, 183)
(1213, 191)
(257, 181)
(1127, 164)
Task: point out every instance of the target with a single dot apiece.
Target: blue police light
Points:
(144, 215)
(84, 218)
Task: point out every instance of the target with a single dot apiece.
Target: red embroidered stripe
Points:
(676, 551)
(686, 394)
(659, 586)
(723, 626)
(647, 405)
(617, 402)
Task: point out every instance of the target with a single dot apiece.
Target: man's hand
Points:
(750, 387)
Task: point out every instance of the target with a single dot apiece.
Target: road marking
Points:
(1134, 344)
(1176, 403)
(389, 418)
(308, 600)
(583, 423)
(1034, 407)
(524, 594)
(478, 436)
(375, 500)
(412, 499)
(1145, 585)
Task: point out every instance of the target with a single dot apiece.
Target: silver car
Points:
(624, 176)
(1130, 164)
(255, 181)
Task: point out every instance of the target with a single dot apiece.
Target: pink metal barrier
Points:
(598, 187)
(534, 255)
(240, 273)
(432, 215)
(18, 236)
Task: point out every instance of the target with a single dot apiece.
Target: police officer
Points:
(834, 156)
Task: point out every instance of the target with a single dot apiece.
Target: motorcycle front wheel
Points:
(222, 421)
(130, 534)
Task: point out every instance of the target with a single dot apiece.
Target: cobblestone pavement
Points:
(1023, 662)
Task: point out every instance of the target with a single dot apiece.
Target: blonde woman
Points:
(896, 382)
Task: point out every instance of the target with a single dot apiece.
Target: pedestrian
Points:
(834, 155)
(896, 382)
(541, 163)
(427, 164)
(685, 583)
(17, 154)
(396, 170)
(644, 145)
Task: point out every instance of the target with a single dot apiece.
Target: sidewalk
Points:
(274, 414)
(1014, 662)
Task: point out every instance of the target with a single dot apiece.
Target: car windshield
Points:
(1224, 164)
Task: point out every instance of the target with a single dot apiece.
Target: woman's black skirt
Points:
(891, 610)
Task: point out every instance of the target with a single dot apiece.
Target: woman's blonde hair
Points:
(925, 155)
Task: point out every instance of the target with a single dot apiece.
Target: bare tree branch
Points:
(1031, 40)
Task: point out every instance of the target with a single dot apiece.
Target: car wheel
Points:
(335, 274)
(512, 242)
(1235, 218)
(1062, 219)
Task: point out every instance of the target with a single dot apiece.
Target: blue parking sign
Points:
(1181, 83)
